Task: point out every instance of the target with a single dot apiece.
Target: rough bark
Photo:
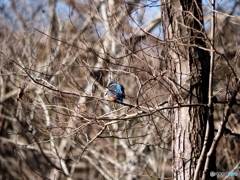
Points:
(188, 64)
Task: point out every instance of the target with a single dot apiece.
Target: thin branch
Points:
(220, 132)
(97, 135)
(210, 95)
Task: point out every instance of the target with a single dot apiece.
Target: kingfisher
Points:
(115, 92)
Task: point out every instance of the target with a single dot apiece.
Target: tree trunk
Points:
(188, 69)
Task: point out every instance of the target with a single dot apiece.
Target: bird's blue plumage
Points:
(115, 92)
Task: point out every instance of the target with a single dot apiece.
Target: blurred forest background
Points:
(56, 59)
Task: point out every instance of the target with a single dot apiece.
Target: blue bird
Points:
(115, 92)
